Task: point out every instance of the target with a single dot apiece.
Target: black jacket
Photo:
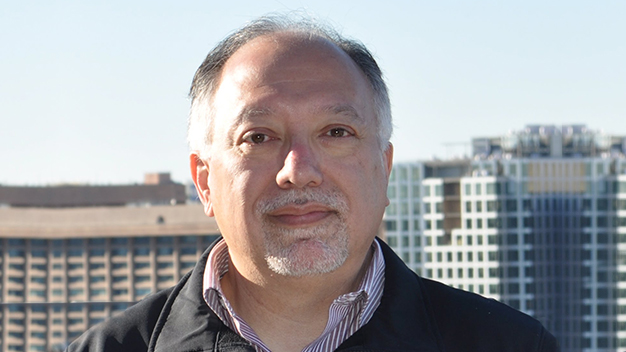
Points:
(415, 314)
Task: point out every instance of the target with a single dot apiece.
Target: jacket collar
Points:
(402, 322)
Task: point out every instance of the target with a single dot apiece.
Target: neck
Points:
(288, 313)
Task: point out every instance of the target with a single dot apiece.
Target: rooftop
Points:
(163, 220)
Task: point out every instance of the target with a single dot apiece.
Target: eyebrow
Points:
(346, 110)
(247, 114)
(252, 112)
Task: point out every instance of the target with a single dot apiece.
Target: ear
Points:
(388, 159)
(200, 175)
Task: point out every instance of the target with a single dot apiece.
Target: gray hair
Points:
(207, 77)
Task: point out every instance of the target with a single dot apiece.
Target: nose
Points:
(300, 169)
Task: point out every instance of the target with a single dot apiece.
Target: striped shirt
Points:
(347, 313)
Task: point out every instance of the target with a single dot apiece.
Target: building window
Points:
(40, 267)
(16, 253)
(75, 242)
(142, 291)
(119, 241)
(493, 223)
(143, 278)
(117, 279)
(37, 293)
(73, 279)
(511, 223)
(76, 292)
(96, 266)
(404, 192)
(74, 321)
(96, 241)
(119, 265)
(405, 241)
(493, 256)
(119, 252)
(187, 265)
(165, 251)
(494, 272)
(142, 251)
(97, 252)
(97, 292)
(38, 253)
(17, 280)
(165, 265)
(16, 293)
(513, 272)
(40, 322)
(75, 253)
(96, 279)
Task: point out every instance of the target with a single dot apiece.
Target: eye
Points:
(256, 138)
(338, 132)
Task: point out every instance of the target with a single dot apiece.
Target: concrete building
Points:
(70, 263)
(536, 219)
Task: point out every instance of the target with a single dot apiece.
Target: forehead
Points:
(292, 57)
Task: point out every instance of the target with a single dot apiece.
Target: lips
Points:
(300, 215)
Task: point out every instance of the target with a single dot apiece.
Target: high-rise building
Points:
(72, 256)
(536, 219)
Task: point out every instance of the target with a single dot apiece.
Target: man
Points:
(289, 131)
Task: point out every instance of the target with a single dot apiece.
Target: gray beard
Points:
(305, 251)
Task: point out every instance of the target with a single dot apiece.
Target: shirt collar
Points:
(365, 299)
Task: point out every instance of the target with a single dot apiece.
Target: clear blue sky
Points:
(96, 91)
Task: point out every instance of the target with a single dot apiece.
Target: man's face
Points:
(296, 176)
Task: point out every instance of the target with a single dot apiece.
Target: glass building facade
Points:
(536, 219)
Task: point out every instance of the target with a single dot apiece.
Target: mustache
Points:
(332, 199)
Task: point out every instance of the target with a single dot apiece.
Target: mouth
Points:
(299, 216)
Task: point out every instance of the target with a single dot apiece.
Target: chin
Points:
(307, 257)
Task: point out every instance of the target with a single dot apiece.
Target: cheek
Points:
(237, 186)
(365, 184)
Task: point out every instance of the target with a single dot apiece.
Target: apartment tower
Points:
(536, 219)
